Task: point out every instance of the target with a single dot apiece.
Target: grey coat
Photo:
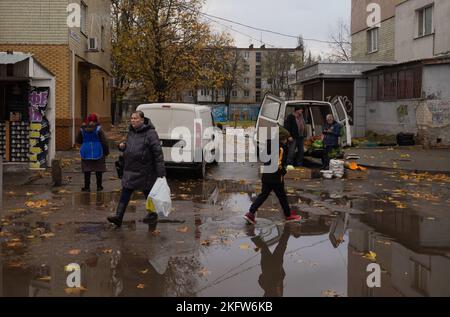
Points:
(144, 159)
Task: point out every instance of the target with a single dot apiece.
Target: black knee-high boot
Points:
(99, 176)
(87, 182)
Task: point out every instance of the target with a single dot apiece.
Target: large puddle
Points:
(206, 249)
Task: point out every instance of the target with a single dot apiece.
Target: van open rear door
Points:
(343, 119)
(272, 109)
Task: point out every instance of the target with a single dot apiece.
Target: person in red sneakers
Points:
(274, 182)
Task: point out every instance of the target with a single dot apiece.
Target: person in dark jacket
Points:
(331, 132)
(94, 149)
(144, 163)
(274, 182)
(296, 126)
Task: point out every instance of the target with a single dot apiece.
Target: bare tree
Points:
(341, 43)
(276, 67)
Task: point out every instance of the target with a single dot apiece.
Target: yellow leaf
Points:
(141, 286)
(74, 252)
(205, 242)
(244, 246)
(107, 251)
(75, 290)
(47, 235)
(183, 229)
(370, 256)
(45, 278)
(144, 271)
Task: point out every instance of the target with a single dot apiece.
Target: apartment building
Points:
(77, 54)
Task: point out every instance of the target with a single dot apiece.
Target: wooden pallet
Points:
(299, 173)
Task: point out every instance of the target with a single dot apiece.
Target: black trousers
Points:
(326, 156)
(87, 179)
(279, 190)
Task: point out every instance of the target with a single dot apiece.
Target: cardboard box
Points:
(299, 173)
(350, 174)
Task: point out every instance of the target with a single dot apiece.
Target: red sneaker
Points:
(294, 217)
(250, 218)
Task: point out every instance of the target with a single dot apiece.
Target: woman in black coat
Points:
(144, 163)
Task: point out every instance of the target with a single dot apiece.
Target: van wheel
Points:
(200, 171)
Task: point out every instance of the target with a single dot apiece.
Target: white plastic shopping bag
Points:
(159, 198)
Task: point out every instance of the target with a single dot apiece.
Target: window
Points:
(258, 96)
(258, 57)
(234, 93)
(258, 71)
(246, 80)
(425, 18)
(372, 40)
(247, 67)
(270, 110)
(246, 93)
(396, 85)
(83, 18)
(191, 93)
(102, 38)
(258, 83)
(103, 87)
(246, 55)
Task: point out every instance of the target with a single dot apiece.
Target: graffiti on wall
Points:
(440, 111)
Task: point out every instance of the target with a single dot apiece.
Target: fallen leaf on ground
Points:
(45, 278)
(47, 235)
(372, 256)
(36, 204)
(141, 286)
(74, 252)
(183, 229)
(75, 290)
(107, 251)
(144, 271)
(204, 271)
(330, 293)
(244, 246)
(205, 242)
(156, 232)
(15, 244)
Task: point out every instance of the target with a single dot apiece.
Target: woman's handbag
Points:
(120, 165)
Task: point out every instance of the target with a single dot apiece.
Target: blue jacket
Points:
(331, 138)
(91, 149)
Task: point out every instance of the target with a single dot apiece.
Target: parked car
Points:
(168, 116)
(275, 110)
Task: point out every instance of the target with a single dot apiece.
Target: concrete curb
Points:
(383, 168)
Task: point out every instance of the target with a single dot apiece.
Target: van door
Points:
(162, 120)
(271, 113)
(343, 119)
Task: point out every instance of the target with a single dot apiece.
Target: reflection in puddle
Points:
(218, 255)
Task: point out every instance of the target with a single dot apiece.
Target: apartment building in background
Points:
(254, 83)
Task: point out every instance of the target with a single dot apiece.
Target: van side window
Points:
(271, 110)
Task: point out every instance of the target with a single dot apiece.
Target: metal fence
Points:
(222, 113)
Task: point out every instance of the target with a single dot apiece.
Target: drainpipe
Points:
(73, 96)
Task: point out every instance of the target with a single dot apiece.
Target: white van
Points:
(168, 116)
(274, 111)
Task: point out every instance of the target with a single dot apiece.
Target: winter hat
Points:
(92, 118)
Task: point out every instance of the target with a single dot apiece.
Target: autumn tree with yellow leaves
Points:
(162, 47)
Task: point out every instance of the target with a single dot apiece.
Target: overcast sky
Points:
(312, 18)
